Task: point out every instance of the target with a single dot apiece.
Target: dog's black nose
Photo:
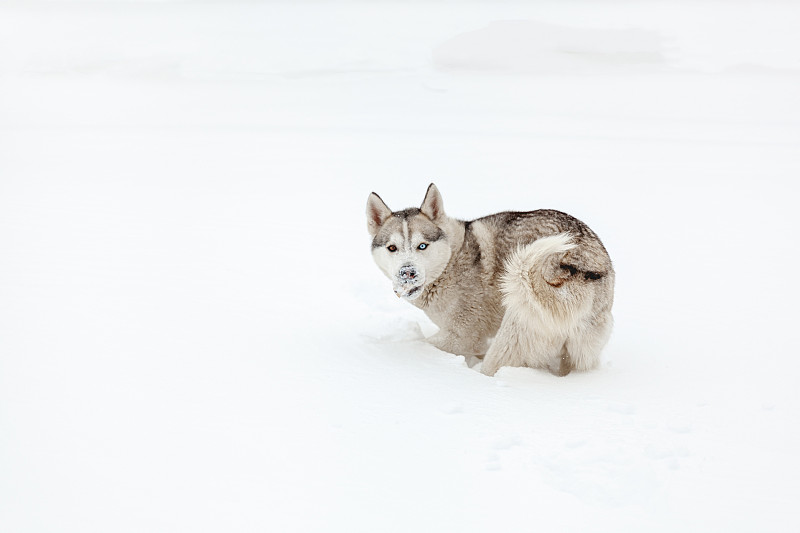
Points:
(408, 273)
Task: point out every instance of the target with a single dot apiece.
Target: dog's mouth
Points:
(408, 291)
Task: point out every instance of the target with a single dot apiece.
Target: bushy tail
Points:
(535, 286)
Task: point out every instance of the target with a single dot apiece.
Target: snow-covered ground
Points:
(193, 336)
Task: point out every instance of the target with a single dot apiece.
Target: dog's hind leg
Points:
(505, 350)
(562, 364)
(585, 345)
(520, 343)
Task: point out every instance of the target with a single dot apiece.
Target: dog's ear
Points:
(377, 213)
(432, 206)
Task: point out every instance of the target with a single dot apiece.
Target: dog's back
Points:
(511, 229)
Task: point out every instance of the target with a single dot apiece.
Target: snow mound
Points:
(536, 47)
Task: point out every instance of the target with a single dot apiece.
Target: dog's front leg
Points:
(451, 342)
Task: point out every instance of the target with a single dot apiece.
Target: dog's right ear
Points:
(377, 213)
(432, 206)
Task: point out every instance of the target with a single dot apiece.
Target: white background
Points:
(193, 336)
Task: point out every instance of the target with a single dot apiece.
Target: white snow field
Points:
(193, 336)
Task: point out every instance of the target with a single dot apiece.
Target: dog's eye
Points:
(423, 245)
(392, 248)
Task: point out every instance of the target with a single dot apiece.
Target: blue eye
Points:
(422, 246)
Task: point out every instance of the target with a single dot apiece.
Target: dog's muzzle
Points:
(408, 282)
(407, 274)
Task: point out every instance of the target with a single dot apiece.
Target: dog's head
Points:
(410, 246)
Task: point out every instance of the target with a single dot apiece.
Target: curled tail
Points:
(537, 285)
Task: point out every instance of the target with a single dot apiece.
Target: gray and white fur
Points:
(540, 283)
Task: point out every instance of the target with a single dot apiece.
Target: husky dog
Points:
(540, 282)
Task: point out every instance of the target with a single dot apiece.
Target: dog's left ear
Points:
(432, 206)
(377, 213)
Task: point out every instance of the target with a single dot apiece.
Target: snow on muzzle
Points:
(408, 282)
